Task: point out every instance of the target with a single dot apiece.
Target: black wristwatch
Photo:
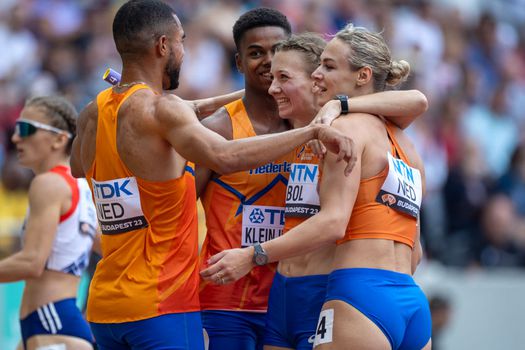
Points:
(344, 103)
(259, 255)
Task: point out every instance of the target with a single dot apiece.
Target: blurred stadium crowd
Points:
(467, 56)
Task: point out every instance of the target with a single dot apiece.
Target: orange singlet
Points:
(242, 209)
(373, 215)
(149, 263)
(302, 198)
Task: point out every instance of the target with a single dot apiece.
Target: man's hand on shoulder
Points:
(338, 143)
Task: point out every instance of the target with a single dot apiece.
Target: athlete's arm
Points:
(399, 107)
(417, 251)
(207, 106)
(203, 146)
(46, 194)
(337, 196)
(83, 149)
(220, 123)
(74, 160)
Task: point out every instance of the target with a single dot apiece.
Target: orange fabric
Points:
(153, 270)
(303, 155)
(371, 219)
(223, 202)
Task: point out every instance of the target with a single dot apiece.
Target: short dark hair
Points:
(259, 17)
(138, 22)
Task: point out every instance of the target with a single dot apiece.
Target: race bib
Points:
(325, 327)
(402, 189)
(302, 199)
(261, 223)
(118, 205)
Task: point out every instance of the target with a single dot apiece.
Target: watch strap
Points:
(344, 103)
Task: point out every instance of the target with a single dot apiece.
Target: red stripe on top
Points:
(65, 172)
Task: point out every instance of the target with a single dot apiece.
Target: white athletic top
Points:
(76, 229)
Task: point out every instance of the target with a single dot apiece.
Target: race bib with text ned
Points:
(261, 223)
(118, 205)
(402, 189)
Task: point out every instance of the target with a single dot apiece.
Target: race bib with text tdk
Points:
(261, 223)
(402, 189)
(118, 205)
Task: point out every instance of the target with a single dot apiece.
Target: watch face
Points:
(261, 259)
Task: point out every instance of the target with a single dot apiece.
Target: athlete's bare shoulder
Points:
(363, 126)
(47, 187)
(171, 111)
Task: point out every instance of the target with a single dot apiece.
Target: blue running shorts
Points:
(392, 300)
(234, 330)
(293, 310)
(57, 318)
(180, 331)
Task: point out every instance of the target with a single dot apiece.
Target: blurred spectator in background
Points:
(441, 311)
(501, 244)
(465, 193)
(512, 183)
(493, 131)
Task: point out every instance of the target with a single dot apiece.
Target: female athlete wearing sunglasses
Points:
(58, 230)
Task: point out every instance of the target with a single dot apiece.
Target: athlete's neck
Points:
(133, 72)
(263, 113)
(49, 163)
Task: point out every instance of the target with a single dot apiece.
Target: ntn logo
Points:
(304, 172)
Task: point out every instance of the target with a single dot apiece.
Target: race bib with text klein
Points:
(261, 223)
(118, 205)
(402, 189)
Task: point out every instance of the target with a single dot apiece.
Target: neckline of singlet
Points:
(65, 168)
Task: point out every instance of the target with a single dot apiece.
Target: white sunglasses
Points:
(25, 128)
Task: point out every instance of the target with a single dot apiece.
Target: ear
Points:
(60, 141)
(238, 63)
(162, 45)
(364, 75)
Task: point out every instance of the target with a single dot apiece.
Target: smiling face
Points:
(292, 87)
(334, 75)
(255, 56)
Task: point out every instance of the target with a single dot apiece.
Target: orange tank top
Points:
(387, 205)
(242, 209)
(302, 197)
(149, 263)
